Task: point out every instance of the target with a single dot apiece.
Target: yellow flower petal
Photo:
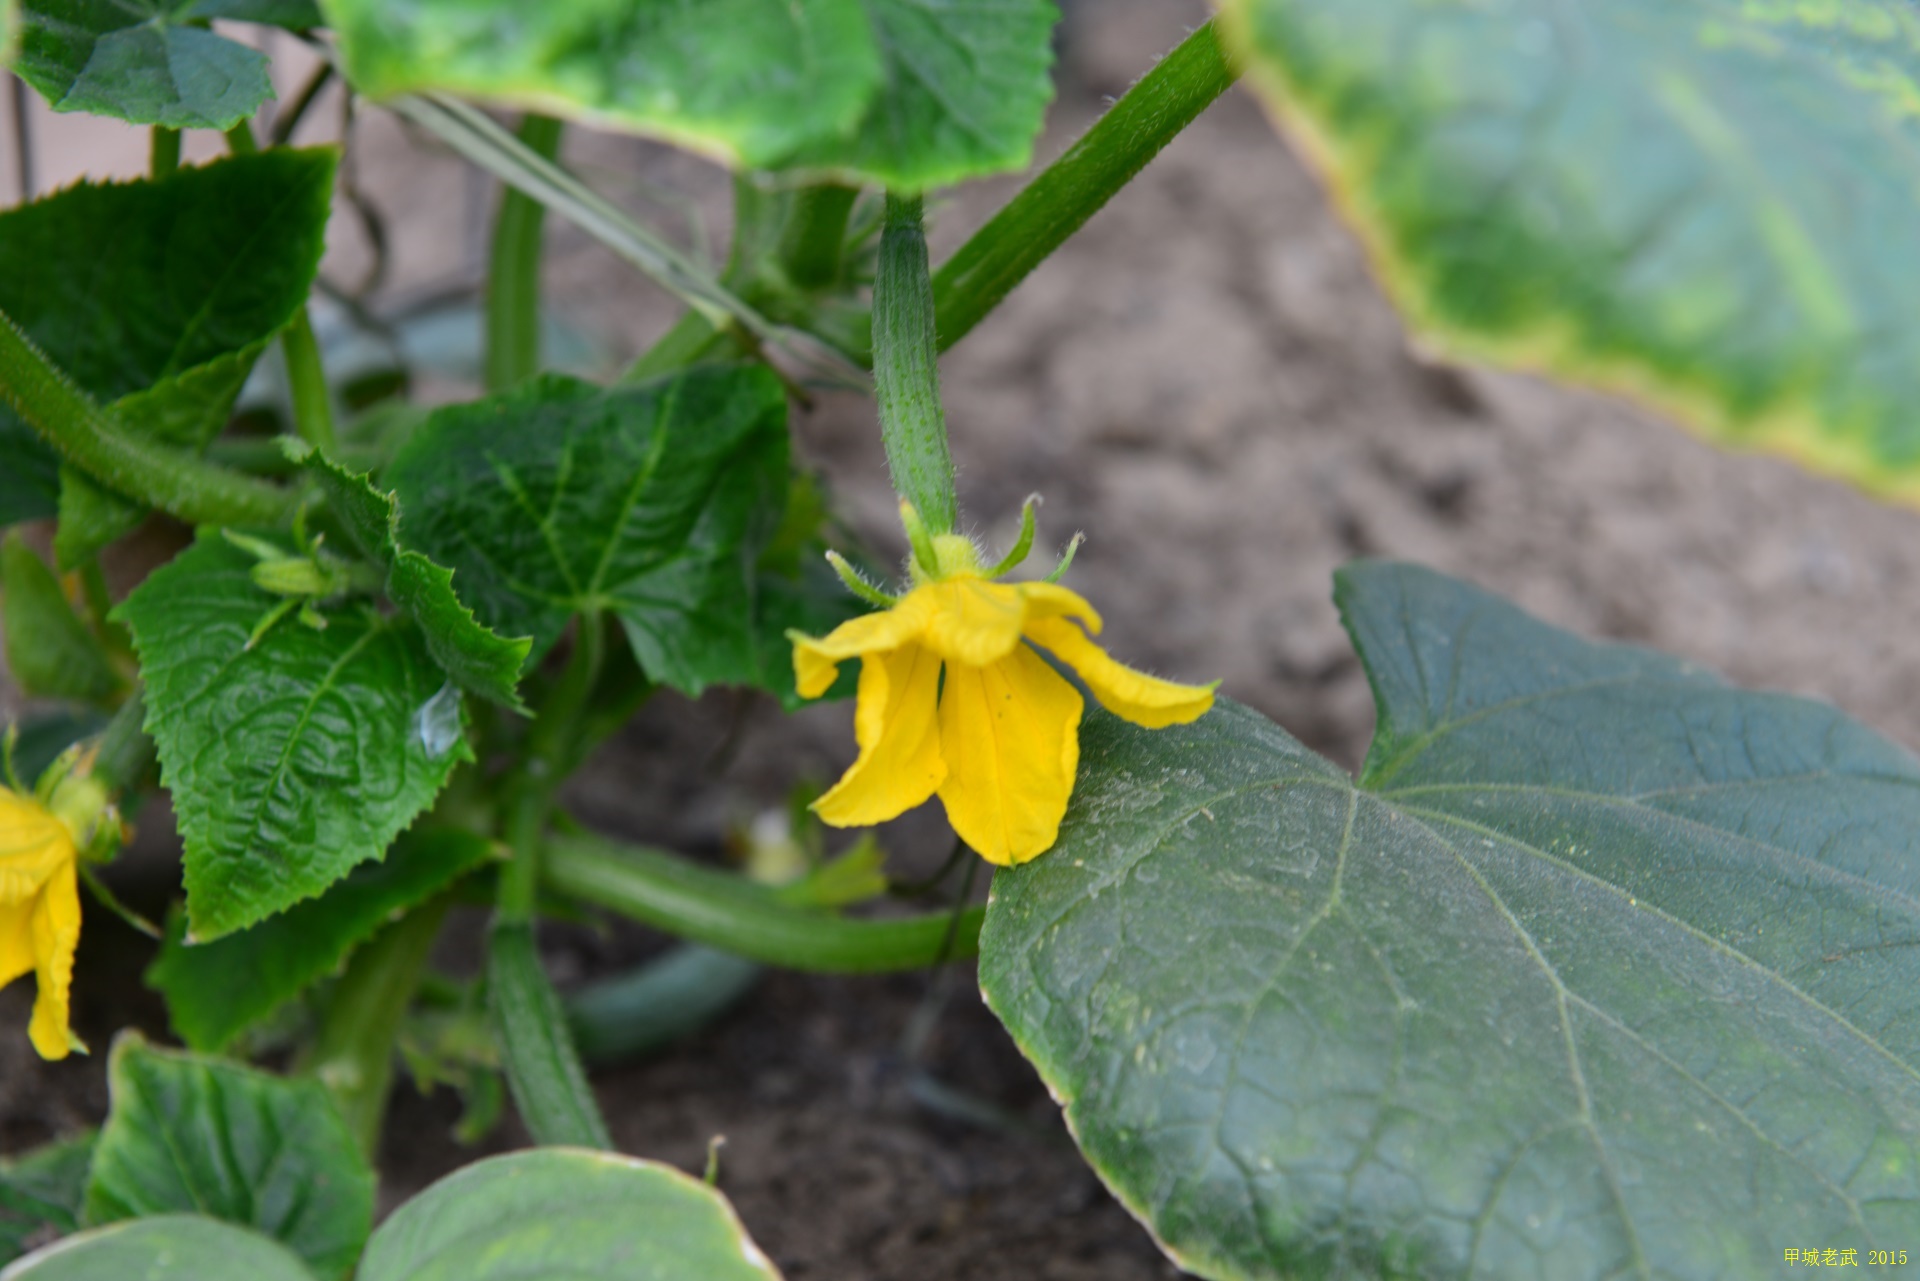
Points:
(1010, 733)
(16, 940)
(1145, 700)
(56, 933)
(33, 845)
(817, 662)
(1050, 600)
(970, 620)
(39, 913)
(900, 764)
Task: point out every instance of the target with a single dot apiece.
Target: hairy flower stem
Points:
(513, 275)
(543, 1067)
(353, 1054)
(906, 376)
(1075, 187)
(176, 482)
(724, 911)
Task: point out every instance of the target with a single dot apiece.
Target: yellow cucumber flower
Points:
(39, 912)
(954, 699)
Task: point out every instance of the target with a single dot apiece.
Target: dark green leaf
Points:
(1703, 204)
(216, 990)
(904, 92)
(652, 502)
(156, 298)
(295, 760)
(150, 62)
(187, 1134)
(295, 15)
(42, 1193)
(29, 473)
(171, 1247)
(476, 657)
(564, 1212)
(1603, 970)
(50, 652)
(809, 598)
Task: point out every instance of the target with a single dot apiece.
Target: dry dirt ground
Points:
(1207, 382)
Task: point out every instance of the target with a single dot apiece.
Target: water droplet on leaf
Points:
(437, 723)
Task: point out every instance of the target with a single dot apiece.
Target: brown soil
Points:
(1208, 383)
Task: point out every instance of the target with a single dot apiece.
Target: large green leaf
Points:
(1604, 969)
(475, 656)
(192, 1135)
(295, 759)
(150, 62)
(216, 990)
(1706, 204)
(156, 298)
(964, 91)
(169, 1247)
(911, 93)
(565, 1212)
(652, 502)
(43, 1193)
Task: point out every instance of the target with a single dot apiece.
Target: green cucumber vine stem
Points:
(353, 1053)
(906, 374)
(164, 156)
(816, 234)
(513, 276)
(726, 912)
(178, 483)
(1075, 187)
(306, 375)
(543, 1067)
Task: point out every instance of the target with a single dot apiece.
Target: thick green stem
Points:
(906, 376)
(353, 1054)
(307, 384)
(513, 276)
(306, 377)
(734, 915)
(816, 233)
(543, 1068)
(1057, 203)
(197, 492)
(164, 157)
